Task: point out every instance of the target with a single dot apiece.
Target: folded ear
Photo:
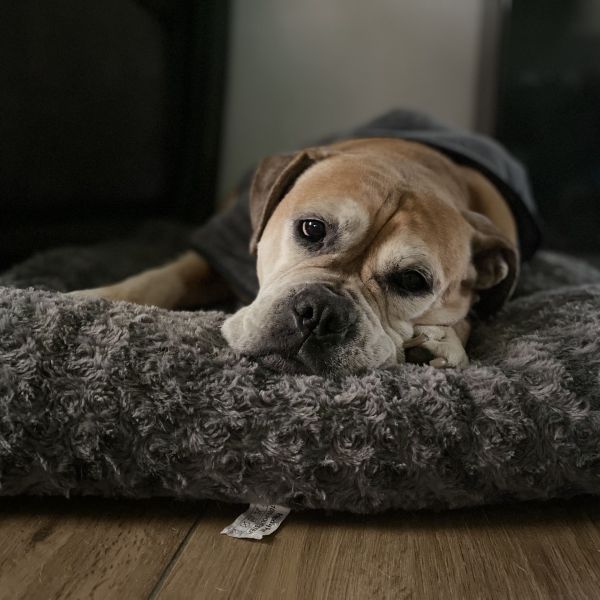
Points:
(496, 262)
(494, 245)
(273, 179)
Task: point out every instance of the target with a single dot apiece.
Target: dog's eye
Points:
(410, 281)
(312, 230)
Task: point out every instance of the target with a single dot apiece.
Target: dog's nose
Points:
(321, 311)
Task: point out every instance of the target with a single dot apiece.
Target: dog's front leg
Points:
(186, 282)
(439, 345)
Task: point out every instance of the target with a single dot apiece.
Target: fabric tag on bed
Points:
(259, 520)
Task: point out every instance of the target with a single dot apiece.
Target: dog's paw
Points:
(437, 345)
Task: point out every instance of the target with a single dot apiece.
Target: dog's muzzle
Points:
(322, 316)
(312, 324)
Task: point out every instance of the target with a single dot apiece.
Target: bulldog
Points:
(362, 252)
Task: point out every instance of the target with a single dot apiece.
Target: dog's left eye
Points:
(312, 230)
(410, 281)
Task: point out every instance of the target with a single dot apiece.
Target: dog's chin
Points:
(302, 364)
(282, 364)
(299, 364)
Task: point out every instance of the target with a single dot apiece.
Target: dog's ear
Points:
(496, 262)
(495, 254)
(273, 179)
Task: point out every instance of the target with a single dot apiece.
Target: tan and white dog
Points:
(368, 250)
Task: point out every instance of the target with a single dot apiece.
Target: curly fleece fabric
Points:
(123, 400)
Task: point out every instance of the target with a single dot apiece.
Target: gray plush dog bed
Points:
(117, 399)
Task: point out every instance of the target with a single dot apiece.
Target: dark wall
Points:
(109, 113)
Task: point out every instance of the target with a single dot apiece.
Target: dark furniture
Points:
(549, 113)
(110, 113)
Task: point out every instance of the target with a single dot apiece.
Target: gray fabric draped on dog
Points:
(124, 400)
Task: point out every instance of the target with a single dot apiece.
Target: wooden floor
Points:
(164, 549)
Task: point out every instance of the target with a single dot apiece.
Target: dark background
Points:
(549, 113)
(111, 113)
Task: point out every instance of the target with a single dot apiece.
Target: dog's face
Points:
(358, 242)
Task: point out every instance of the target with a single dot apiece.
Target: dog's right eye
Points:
(312, 230)
(410, 281)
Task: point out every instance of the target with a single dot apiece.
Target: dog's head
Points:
(356, 243)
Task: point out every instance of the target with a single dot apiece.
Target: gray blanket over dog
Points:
(118, 399)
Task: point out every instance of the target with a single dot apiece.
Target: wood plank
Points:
(92, 548)
(528, 550)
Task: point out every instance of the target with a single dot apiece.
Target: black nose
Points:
(321, 311)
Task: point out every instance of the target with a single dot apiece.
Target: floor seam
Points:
(172, 562)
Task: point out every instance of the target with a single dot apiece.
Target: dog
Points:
(368, 250)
